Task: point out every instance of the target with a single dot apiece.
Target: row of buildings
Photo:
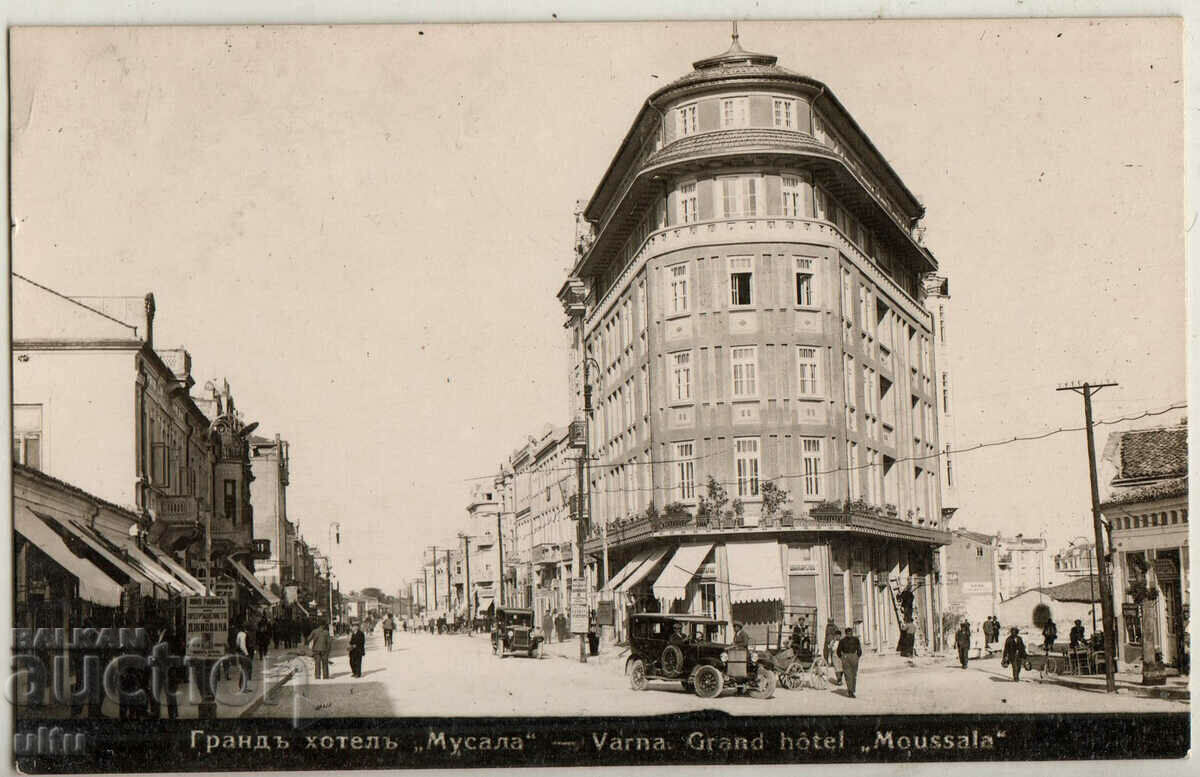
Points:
(133, 488)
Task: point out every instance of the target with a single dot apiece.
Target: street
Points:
(457, 675)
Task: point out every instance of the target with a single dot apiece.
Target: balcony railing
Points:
(176, 509)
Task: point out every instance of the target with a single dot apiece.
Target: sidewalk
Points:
(1130, 682)
(280, 666)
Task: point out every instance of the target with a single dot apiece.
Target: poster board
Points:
(579, 606)
(207, 626)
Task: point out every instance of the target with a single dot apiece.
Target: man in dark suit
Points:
(358, 646)
(849, 649)
(1014, 654)
(962, 641)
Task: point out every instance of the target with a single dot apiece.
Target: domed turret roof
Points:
(735, 62)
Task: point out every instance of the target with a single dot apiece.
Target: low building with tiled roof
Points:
(1146, 508)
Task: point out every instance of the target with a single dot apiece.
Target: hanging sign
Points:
(579, 606)
(207, 626)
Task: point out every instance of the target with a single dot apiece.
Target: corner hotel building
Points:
(749, 295)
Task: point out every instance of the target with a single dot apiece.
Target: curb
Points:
(253, 706)
(1146, 692)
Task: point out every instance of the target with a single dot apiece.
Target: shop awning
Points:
(252, 581)
(628, 569)
(485, 604)
(150, 566)
(639, 574)
(109, 553)
(672, 583)
(177, 569)
(754, 572)
(95, 585)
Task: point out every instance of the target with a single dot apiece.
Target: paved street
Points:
(452, 675)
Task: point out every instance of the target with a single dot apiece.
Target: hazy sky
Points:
(363, 229)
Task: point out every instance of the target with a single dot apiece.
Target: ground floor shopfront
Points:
(1150, 543)
(769, 580)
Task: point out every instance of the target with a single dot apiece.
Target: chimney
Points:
(150, 320)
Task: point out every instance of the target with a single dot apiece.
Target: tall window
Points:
(685, 119)
(793, 197)
(942, 322)
(745, 368)
(811, 450)
(627, 399)
(746, 464)
(852, 468)
(679, 288)
(945, 392)
(735, 112)
(784, 113)
(847, 298)
(739, 196)
(850, 389)
(159, 465)
(949, 468)
(809, 370)
(687, 203)
(804, 281)
(231, 500)
(27, 435)
(681, 376)
(685, 469)
(741, 280)
(627, 325)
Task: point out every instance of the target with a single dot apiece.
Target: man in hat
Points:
(849, 650)
(962, 641)
(1014, 654)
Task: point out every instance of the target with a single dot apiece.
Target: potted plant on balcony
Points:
(774, 511)
(734, 517)
(677, 514)
(890, 511)
(711, 509)
(653, 517)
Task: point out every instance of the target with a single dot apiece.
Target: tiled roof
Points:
(983, 539)
(1153, 453)
(1160, 490)
(732, 71)
(737, 139)
(1082, 589)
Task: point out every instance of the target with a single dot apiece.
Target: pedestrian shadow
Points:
(336, 675)
(841, 692)
(372, 671)
(996, 679)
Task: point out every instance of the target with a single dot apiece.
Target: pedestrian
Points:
(166, 668)
(908, 639)
(907, 597)
(849, 651)
(1077, 634)
(245, 653)
(560, 625)
(358, 646)
(389, 626)
(263, 639)
(1049, 634)
(1014, 654)
(321, 642)
(741, 637)
(962, 641)
(832, 633)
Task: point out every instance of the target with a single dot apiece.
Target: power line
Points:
(937, 454)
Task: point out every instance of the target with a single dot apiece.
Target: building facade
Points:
(1020, 564)
(970, 574)
(748, 309)
(131, 433)
(1146, 506)
(1075, 560)
(269, 459)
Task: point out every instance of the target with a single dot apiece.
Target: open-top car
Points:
(692, 650)
(513, 632)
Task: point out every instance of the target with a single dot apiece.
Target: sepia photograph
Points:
(564, 394)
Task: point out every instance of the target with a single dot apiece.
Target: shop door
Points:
(1167, 569)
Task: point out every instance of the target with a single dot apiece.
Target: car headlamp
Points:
(724, 656)
(510, 633)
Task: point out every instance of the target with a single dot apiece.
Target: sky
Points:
(363, 230)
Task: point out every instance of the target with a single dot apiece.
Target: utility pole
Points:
(467, 590)
(501, 484)
(425, 587)
(1086, 390)
(435, 598)
(449, 586)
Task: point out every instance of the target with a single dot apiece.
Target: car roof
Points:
(682, 618)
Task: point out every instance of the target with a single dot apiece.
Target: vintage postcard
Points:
(454, 396)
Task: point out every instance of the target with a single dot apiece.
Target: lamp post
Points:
(333, 535)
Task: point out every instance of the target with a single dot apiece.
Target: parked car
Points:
(699, 657)
(513, 631)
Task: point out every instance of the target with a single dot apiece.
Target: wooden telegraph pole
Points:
(1106, 605)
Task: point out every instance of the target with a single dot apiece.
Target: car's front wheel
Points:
(536, 650)
(709, 682)
(637, 675)
(764, 684)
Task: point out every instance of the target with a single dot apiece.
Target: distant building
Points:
(1146, 505)
(268, 499)
(483, 527)
(969, 575)
(1020, 564)
(1077, 560)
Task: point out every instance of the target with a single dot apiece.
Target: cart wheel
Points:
(764, 684)
(637, 675)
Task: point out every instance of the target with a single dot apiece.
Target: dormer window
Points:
(685, 118)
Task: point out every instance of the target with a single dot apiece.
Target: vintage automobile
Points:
(513, 632)
(699, 657)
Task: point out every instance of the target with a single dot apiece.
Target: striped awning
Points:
(644, 569)
(107, 551)
(672, 583)
(627, 570)
(252, 581)
(754, 572)
(177, 569)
